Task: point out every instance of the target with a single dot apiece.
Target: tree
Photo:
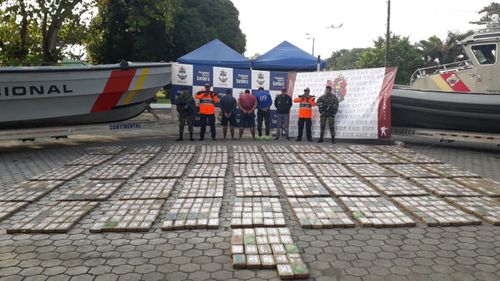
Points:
(432, 50)
(152, 30)
(135, 30)
(39, 31)
(435, 51)
(402, 54)
(198, 22)
(492, 9)
(344, 59)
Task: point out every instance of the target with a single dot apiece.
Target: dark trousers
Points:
(308, 123)
(263, 116)
(203, 124)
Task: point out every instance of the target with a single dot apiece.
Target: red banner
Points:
(384, 104)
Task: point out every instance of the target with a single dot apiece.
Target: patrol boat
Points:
(49, 96)
(461, 96)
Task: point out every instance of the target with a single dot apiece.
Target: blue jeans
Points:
(282, 123)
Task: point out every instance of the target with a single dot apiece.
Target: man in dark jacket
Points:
(328, 105)
(228, 106)
(283, 103)
(185, 109)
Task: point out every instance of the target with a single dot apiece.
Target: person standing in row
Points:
(283, 103)
(247, 104)
(207, 99)
(306, 103)
(264, 102)
(228, 107)
(185, 110)
(328, 105)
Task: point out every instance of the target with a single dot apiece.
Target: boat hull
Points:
(470, 112)
(45, 97)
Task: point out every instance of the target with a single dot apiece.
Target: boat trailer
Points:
(448, 136)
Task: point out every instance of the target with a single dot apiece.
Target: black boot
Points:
(179, 138)
(320, 139)
(191, 136)
(333, 139)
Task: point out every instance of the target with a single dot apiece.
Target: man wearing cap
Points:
(247, 104)
(328, 105)
(264, 102)
(207, 100)
(306, 103)
(283, 103)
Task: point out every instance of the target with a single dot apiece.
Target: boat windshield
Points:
(485, 54)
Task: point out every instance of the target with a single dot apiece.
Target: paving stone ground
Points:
(407, 253)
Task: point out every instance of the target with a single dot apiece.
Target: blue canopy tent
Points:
(216, 53)
(287, 57)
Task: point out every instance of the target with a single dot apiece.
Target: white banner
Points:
(223, 77)
(182, 74)
(358, 92)
(260, 79)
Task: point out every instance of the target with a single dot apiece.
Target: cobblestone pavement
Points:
(360, 253)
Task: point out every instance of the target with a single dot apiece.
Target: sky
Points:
(266, 23)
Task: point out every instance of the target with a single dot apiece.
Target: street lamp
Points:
(311, 37)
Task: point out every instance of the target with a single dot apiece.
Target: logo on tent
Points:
(182, 74)
(260, 79)
(223, 76)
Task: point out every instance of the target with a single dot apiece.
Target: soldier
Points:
(185, 110)
(328, 105)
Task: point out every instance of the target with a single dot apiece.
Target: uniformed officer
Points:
(328, 105)
(207, 99)
(306, 103)
(185, 110)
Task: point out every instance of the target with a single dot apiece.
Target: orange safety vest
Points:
(207, 102)
(306, 105)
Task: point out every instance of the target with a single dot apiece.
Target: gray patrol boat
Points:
(461, 96)
(50, 96)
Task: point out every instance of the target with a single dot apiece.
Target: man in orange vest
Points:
(306, 103)
(207, 100)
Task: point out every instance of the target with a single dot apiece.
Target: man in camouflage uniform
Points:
(328, 105)
(185, 110)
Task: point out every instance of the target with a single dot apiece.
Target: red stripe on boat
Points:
(118, 83)
(455, 83)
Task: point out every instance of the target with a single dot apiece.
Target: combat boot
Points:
(333, 139)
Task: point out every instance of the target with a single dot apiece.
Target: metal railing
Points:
(443, 68)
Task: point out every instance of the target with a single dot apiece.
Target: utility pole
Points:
(311, 37)
(388, 34)
(313, 47)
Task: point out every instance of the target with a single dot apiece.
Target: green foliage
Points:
(197, 22)
(344, 59)
(134, 30)
(151, 30)
(492, 9)
(435, 51)
(39, 32)
(402, 54)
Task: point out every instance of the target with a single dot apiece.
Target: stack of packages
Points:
(259, 239)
